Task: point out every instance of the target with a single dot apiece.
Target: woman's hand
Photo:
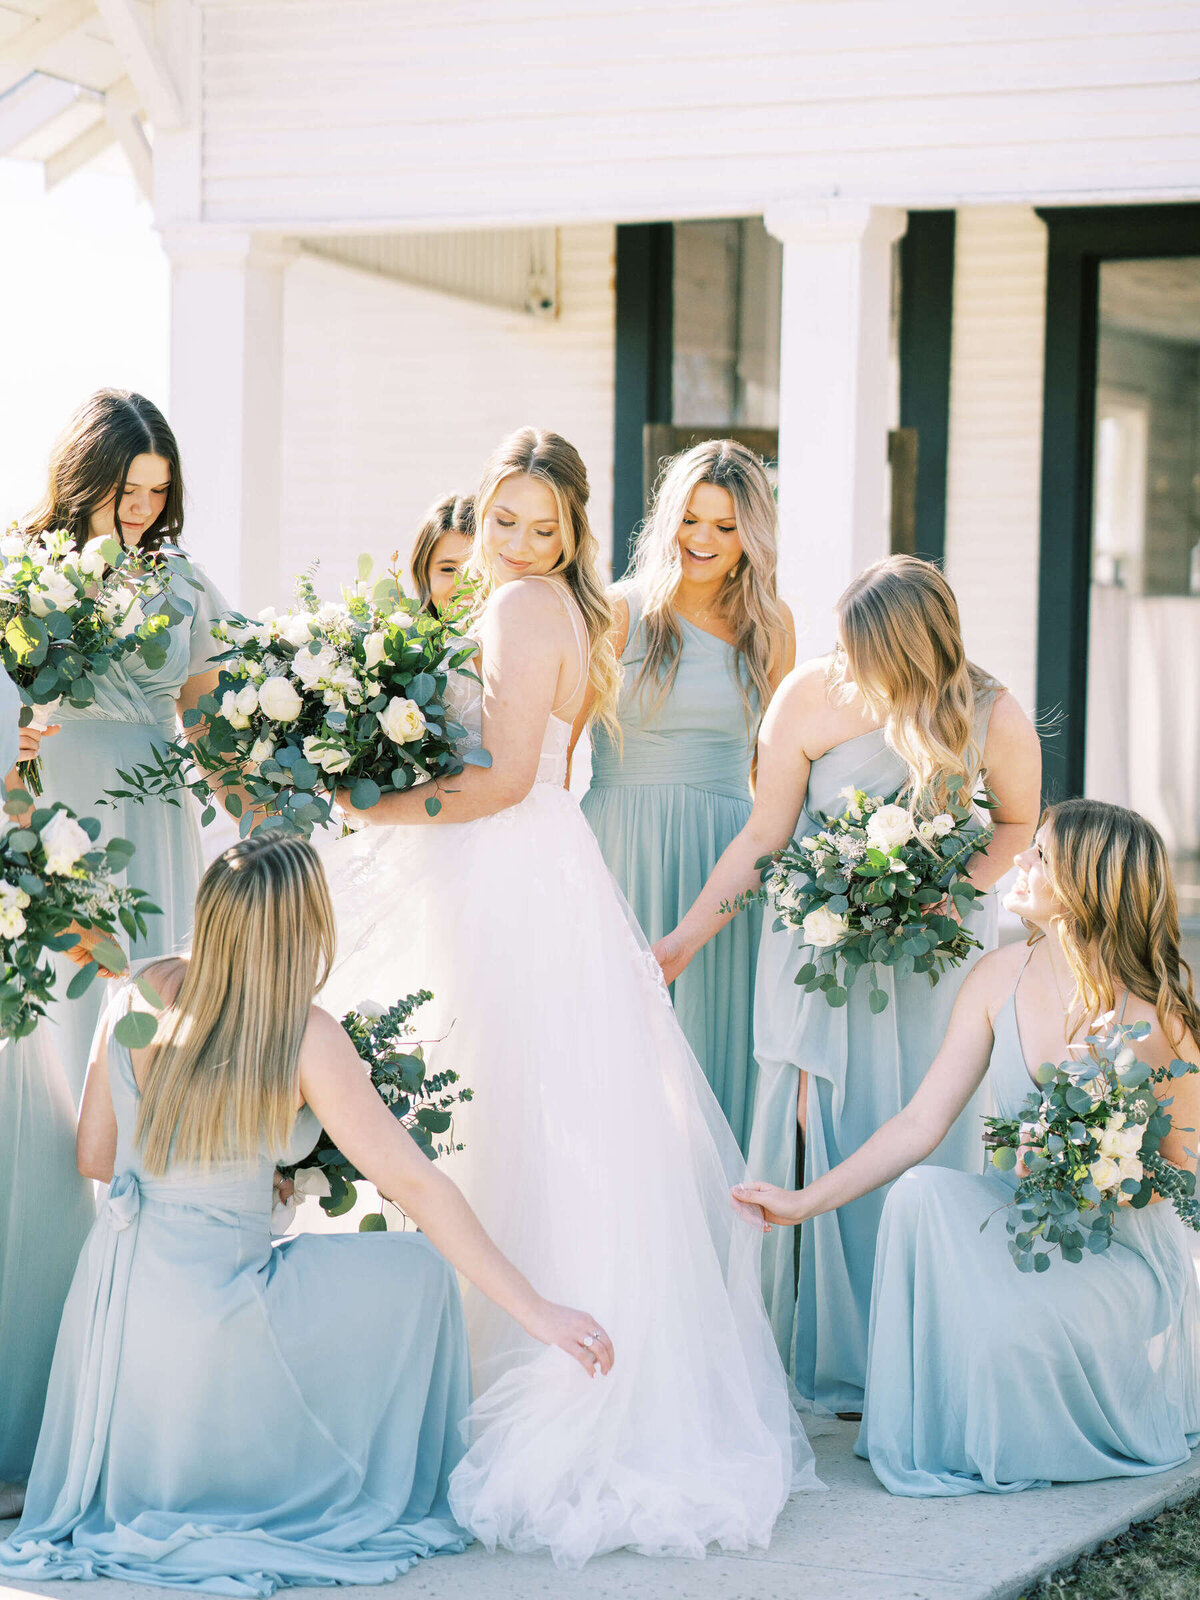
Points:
(84, 951)
(29, 741)
(672, 954)
(576, 1332)
(782, 1207)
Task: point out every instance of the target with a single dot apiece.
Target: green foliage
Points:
(422, 1104)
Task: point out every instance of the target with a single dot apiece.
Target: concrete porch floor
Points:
(854, 1542)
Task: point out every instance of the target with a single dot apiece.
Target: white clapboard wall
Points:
(327, 112)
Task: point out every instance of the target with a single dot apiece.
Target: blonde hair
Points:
(748, 600)
(454, 513)
(1119, 920)
(549, 458)
(221, 1078)
(901, 644)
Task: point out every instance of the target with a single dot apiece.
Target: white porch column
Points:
(226, 401)
(834, 392)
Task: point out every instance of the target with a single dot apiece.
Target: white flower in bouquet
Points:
(239, 705)
(1105, 1173)
(279, 701)
(790, 895)
(402, 720)
(371, 1009)
(326, 753)
(131, 621)
(311, 669)
(1131, 1167)
(373, 646)
(57, 542)
(12, 545)
(850, 795)
(332, 614)
(341, 685)
(295, 629)
(55, 591)
(91, 560)
(312, 1182)
(13, 901)
(64, 841)
(1119, 1141)
(889, 827)
(822, 927)
(261, 750)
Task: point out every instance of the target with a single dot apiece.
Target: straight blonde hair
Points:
(556, 463)
(222, 1074)
(902, 646)
(1119, 923)
(749, 599)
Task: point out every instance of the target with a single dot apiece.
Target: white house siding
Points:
(993, 493)
(515, 111)
(394, 396)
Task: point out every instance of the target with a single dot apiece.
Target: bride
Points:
(595, 1152)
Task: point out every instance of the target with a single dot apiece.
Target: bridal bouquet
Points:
(352, 692)
(867, 890)
(55, 880)
(423, 1105)
(66, 615)
(1090, 1135)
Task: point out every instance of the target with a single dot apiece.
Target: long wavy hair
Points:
(556, 463)
(1119, 920)
(222, 1074)
(90, 462)
(749, 599)
(454, 513)
(901, 645)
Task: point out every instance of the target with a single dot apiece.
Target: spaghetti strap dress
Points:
(983, 1379)
(664, 803)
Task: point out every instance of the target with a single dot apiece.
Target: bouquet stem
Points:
(30, 774)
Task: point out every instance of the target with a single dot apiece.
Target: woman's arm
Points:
(1012, 756)
(96, 1135)
(914, 1133)
(524, 638)
(335, 1085)
(783, 767)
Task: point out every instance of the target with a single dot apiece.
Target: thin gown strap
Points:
(1124, 1003)
(1012, 997)
(577, 623)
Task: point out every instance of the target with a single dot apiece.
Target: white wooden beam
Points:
(85, 147)
(25, 49)
(143, 61)
(121, 115)
(30, 104)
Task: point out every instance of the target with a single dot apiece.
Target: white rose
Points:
(279, 701)
(91, 559)
(57, 541)
(295, 629)
(229, 710)
(64, 841)
(402, 720)
(373, 649)
(132, 620)
(12, 923)
(790, 896)
(1106, 1174)
(370, 1008)
(12, 545)
(326, 755)
(55, 589)
(11, 895)
(331, 613)
(1130, 1167)
(823, 927)
(261, 750)
(889, 827)
(310, 668)
(942, 824)
(926, 832)
(312, 1183)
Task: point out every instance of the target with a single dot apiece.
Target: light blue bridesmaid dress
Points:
(863, 1067)
(134, 710)
(663, 809)
(981, 1378)
(46, 1208)
(232, 1416)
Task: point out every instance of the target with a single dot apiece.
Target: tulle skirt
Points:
(598, 1159)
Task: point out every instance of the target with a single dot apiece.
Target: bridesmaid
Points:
(115, 472)
(442, 549)
(704, 639)
(897, 711)
(46, 1207)
(223, 1415)
(981, 1378)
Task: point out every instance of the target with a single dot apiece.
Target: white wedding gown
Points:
(599, 1161)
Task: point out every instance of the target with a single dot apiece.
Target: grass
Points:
(1158, 1560)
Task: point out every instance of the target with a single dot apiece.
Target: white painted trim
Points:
(23, 50)
(143, 62)
(83, 148)
(121, 115)
(29, 105)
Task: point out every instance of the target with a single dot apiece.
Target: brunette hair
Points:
(454, 513)
(91, 460)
